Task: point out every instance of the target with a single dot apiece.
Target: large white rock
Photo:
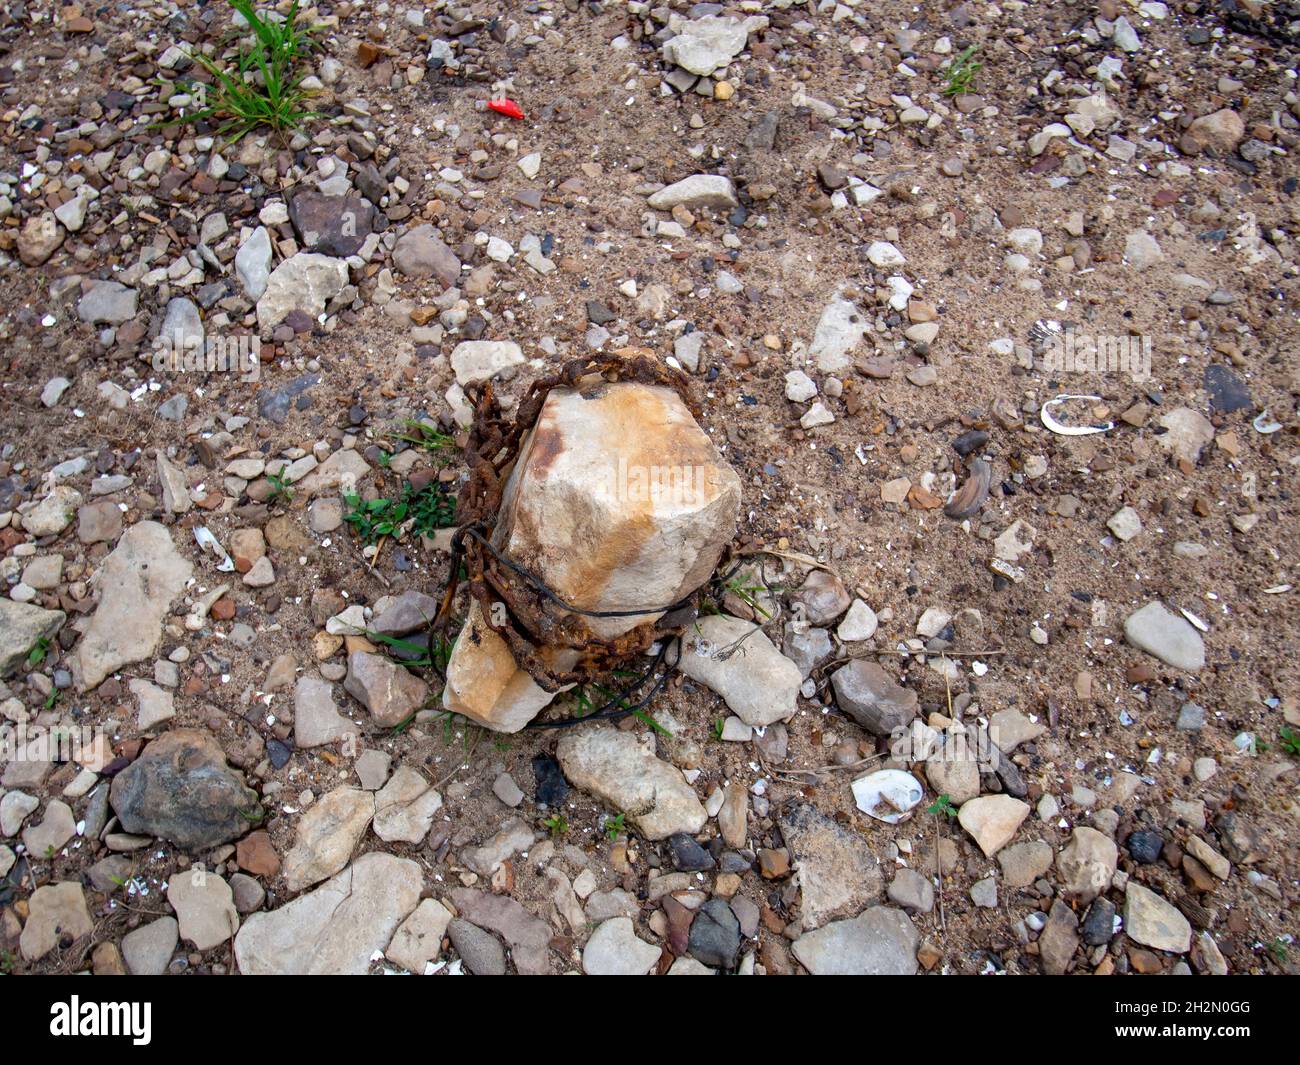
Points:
(618, 500)
(737, 660)
(476, 361)
(618, 768)
(1160, 632)
(336, 928)
(306, 282)
(839, 330)
(703, 45)
(698, 190)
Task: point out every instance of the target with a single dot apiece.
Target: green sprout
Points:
(280, 491)
(37, 654)
(961, 72)
(264, 88)
(1289, 740)
(428, 509)
(942, 805)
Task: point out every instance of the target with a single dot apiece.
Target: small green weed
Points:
(38, 652)
(1289, 740)
(415, 653)
(425, 437)
(280, 491)
(429, 509)
(557, 825)
(942, 805)
(748, 593)
(264, 87)
(960, 73)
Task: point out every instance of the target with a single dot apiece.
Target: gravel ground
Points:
(881, 279)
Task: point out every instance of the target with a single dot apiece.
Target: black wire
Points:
(614, 710)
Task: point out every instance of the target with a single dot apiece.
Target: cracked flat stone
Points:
(881, 941)
(336, 929)
(614, 766)
(138, 582)
(615, 950)
(737, 660)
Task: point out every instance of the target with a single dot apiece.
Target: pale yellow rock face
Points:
(617, 501)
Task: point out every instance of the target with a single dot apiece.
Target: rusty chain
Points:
(537, 621)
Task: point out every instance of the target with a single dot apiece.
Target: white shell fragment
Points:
(1265, 424)
(888, 795)
(203, 535)
(1071, 430)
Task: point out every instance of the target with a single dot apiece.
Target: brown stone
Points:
(774, 863)
(256, 855)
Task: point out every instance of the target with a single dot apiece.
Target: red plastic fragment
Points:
(506, 106)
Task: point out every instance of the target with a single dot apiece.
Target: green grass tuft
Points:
(961, 72)
(264, 87)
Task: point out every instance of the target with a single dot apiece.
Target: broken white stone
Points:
(884, 255)
(618, 767)
(698, 190)
(703, 45)
(477, 361)
(839, 330)
(306, 282)
(737, 660)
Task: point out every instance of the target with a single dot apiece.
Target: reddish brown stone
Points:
(774, 864)
(255, 854)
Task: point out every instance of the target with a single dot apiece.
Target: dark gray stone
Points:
(181, 790)
(715, 935)
(865, 692)
(479, 950)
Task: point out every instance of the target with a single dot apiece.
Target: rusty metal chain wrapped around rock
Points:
(536, 618)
